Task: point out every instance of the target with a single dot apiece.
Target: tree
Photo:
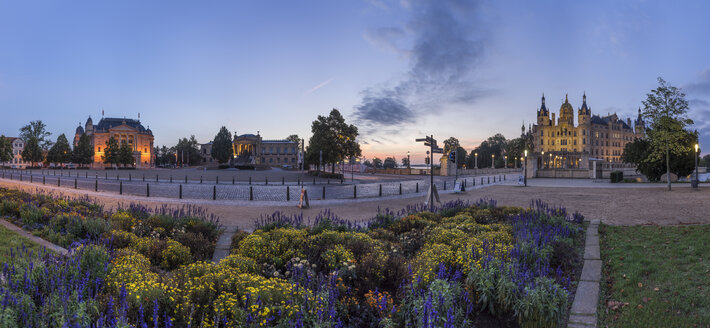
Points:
(165, 155)
(222, 149)
(390, 163)
(32, 152)
(638, 153)
(405, 162)
(450, 144)
(377, 163)
(335, 138)
(367, 163)
(5, 149)
(706, 160)
(83, 152)
(37, 130)
(60, 151)
(125, 154)
(111, 151)
(665, 108)
(187, 151)
(494, 145)
(295, 138)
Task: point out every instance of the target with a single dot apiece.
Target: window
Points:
(575, 133)
(99, 149)
(542, 142)
(575, 141)
(542, 133)
(271, 160)
(584, 141)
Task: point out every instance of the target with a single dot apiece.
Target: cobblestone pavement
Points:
(279, 191)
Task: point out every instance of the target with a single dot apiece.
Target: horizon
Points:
(398, 70)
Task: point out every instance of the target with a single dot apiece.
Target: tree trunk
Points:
(668, 168)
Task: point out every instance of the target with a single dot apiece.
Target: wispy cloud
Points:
(701, 86)
(313, 89)
(446, 49)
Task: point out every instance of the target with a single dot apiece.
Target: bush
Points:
(31, 215)
(201, 248)
(241, 263)
(276, 246)
(9, 208)
(237, 238)
(93, 261)
(616, 176)
(122, 220)
(326, 175)
(174, 255)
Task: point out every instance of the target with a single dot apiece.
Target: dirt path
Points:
(618, 206)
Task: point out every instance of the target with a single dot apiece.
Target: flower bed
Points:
(463, 265)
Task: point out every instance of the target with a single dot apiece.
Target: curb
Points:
(33, 238)
(584, 307)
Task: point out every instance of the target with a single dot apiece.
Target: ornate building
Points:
(124, 131)
(561, 144)
(18, 145)
(250, 150)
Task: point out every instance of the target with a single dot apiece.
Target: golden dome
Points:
(566, 108)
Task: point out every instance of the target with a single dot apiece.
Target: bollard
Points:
(474, 182)
(106, 178)
(417, 186)
(96, 185)
(186, 179)
(328, 180)
(249, 180)
(120, 188)
(314, 180)
(481, 180)
(75, 184)
(341, 180)
(130, 177)
(251, 193)
(444, 184)
(59, 182)
(298, 181)
(116, 176)
(267, 180)
(323, 192)
(400, 188)
(20, 176)
(505, 177)
(156, 178)
(380, 190)
(232, 180)
(147, 190)
(214, 192)
(180, 192)
(288, 194)
(171, 179)
(86, 175)
(143, 177)
(31, 178)
(355, 191)
(200, 179)
(216, 181)
(283, 181)
(489, 180)
(494, 179)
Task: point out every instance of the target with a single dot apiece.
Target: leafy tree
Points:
(188, 151)
(32, 152)
(706, 160)
(639, 151)
(60, 151)
(5, 149)
(295, 138)
(222, 149)
(405, 162)
(450, 144)
(367, 163)
(460, 156)
(335, 138)
(37, 130)
(390, 163)
(125, 154)
(494, 145)
(111, 151)
(164, 155)
(83, 152)
(665, 108)
(377, 163)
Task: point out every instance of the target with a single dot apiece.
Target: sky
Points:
(399, 70)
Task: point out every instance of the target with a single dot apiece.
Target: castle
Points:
(561, 144)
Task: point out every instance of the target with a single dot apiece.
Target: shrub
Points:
(276, 246)
(174, 255)
(542, 305)
(337, 257)
(31, 215)
(120, 239)
(240, 263)
(122, 220)
(93, 261)
(9, 208)
(200, 247)
(237, 238)
(94, 228)
(616, 176)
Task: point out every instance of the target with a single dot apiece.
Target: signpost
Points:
(434, 148)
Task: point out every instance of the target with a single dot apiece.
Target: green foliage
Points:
(174, 255)
(616, 176)
(377, 163)
(276, 246)
(494, 145)
(335, 138)
(542, 306)
(60, 151)
(639, 152)
(5, 150)
(165, 155)
(32, 152)
(451, 144)
(222, 150)
(38, 131)
(390, 163)
(188, 151)
(111, 151)
(83, 152)
(125, 154)
(200, 247)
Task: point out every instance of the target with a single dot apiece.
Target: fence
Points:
(254, 192)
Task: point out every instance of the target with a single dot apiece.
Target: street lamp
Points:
(543, 159)
(475, 156)
(695, 185)
(525, 169)
(505, 159)
(409, 166)
(493, 161)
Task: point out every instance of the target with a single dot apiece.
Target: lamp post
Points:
(525, 169)
(505, 159)
(409, 165)
(493, 161)
(475, 157)
(695, 185)
(543, 159)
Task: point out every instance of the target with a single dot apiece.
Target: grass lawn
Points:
(655, 276)
(9, 239)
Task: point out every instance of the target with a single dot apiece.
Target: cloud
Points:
(702, 86)
(446, 49)
(313, 89)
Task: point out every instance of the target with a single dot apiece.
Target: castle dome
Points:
(566, 108)
(79, 130)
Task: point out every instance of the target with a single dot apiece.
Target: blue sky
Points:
(398, 69)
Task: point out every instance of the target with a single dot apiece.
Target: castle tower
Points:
(566, 113)
(584, 113)
(543, 115)
(640, 126)
(89, 126)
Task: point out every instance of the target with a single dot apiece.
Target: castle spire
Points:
(543, 98)
(566, 101)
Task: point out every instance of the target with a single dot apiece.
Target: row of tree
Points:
(40, 149)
